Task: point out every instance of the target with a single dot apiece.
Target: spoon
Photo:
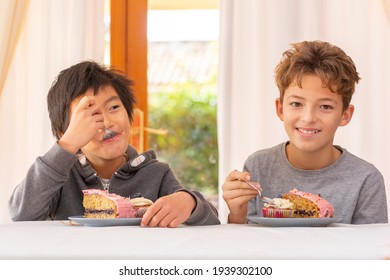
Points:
(108, 134)
(263, 198)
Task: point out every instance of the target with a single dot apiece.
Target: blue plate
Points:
(291, 222)
(92, 222)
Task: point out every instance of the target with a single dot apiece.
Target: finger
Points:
(97, 124)
(236, 184)
(237, 175)
(158, 219)
(241, 200)
(166, 220)
(98, 118)
(253, 185)
(175, 222)
(86, 102)
(236, 193)
(148, 215)
(101, 128)
(241, 176)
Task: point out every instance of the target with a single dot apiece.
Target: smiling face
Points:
(107, 147)
(311, 116)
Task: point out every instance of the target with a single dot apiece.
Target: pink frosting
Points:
(123, 205)
(326, 209)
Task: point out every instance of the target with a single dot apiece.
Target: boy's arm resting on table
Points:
(178, 205)
(204, 212)
(35, 196)
(372, 204)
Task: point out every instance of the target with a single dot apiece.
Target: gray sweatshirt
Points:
(353, 186)
(53, 186)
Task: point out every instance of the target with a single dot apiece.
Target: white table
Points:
(61, 240)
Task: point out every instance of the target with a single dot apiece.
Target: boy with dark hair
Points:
(316, 81)
(91, 109)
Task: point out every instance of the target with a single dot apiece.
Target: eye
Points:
(295, 104)
(326, 107)
(114, 108)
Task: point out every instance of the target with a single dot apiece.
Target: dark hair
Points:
(75, 81)
(330, 63)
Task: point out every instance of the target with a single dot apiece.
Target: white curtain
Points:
(255, 33)
(12, 13)
(55, 35)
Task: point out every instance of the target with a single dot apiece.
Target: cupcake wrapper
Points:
(277, 213)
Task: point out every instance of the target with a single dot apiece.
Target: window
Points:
(179, 104)
(182, 93)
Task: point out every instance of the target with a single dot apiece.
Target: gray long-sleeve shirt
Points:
(53, 186)
(353, 186)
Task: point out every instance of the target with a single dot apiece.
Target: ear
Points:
(279, 108)
(347, 115)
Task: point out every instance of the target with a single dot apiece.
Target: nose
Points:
(308, 115)
(108, 123)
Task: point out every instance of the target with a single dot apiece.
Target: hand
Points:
(85, 121)
(237, 193)
(169, 211)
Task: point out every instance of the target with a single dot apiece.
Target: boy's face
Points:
(115, 118)
(312, 114)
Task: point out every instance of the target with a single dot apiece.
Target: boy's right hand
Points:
(237, 194)
(86, 120)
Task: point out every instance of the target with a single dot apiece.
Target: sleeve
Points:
(371, 205)
(37, 195)
(203, 214)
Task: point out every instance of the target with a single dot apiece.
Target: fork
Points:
(262, 198)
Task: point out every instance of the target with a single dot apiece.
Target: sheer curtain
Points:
(254, 34)
(12, 14)
(55, 35)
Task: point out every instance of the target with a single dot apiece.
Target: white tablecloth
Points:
(61, 240)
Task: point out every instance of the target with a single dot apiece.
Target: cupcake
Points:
(299, 204)
(282, 208)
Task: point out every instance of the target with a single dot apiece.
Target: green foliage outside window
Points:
(188, 112)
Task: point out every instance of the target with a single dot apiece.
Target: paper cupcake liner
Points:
(277, 213)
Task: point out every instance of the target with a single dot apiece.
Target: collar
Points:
(135, 161)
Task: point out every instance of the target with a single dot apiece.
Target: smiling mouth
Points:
(308, 132)
(109, 134)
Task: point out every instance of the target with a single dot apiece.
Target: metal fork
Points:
(262, 198)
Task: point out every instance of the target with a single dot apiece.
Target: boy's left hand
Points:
(169, 211)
